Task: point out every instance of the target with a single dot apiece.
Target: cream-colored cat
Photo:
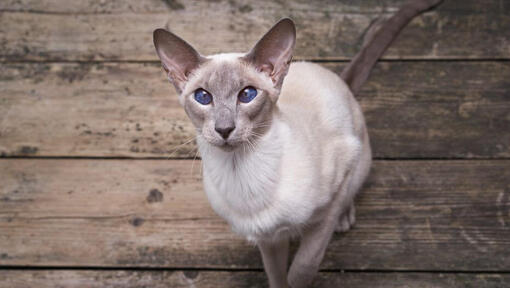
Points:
(284, 145)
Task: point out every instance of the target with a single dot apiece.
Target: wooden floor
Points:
(98, 187)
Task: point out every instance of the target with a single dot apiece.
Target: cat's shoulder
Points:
(310, 68)
(313, 73)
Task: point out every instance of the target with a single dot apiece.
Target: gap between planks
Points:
(198, 158)
(218, 269)
(313, 60)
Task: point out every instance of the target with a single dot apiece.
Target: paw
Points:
(346, 220)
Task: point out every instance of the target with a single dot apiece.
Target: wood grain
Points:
(158, 6)
(214, 279)
(412, 215)
(79, 223)
(122, 30)
(413, 110)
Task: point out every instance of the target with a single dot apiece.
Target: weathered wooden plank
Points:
(413, 215)
(413, 110)
(245, 6)
(214, 279)
(326, 29)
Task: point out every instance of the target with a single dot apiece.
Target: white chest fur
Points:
(298, 164)
(242, 186)
(275, 188)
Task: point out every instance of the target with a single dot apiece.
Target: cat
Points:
(284, 144)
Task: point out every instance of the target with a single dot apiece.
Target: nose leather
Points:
(224, 131)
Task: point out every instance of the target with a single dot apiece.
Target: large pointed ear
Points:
(272, 54)
(177, 56)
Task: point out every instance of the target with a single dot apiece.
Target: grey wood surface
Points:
(412, 215)
(80, 79)
(413, 110)
(52, 30)
(215, 279)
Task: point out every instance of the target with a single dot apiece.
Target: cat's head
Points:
(229, 97)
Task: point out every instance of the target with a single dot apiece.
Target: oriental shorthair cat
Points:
(284, 145)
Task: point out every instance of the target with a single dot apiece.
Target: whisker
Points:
(256, 134)
(176, 148)
(250, 145)
(193, 163)
(261, 126)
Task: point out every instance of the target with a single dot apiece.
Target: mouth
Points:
(227, 145)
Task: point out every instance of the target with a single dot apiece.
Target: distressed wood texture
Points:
(413, 215)
(214, 279)
(96, 30)
(413, 110)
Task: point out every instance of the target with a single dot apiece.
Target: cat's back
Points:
(314, 93)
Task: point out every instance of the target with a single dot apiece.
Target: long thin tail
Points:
(376, 42)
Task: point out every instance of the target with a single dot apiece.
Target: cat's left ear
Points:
(273, 52)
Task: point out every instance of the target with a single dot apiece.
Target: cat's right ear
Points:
(177, 56)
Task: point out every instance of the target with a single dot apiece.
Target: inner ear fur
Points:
(177, 57)
(273, 52)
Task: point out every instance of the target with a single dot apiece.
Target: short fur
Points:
(297, 155)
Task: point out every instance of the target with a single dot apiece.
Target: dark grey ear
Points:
(177, 56)
(272, 54)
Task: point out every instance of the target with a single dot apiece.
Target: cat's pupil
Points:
(203, 97)
(247, 94)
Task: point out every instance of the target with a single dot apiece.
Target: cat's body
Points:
(285, 180)
(280, 158)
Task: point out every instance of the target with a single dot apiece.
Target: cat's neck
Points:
(267, 145)
(246, 177)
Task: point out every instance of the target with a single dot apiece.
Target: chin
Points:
(225, 145)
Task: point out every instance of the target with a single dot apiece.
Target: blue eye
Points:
(247, 94)
(203, 97)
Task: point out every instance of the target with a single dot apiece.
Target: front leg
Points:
(315, 240)
(310, 253)
(274, 256)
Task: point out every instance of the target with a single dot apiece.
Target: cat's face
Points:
(229, 97)
(229, 101)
